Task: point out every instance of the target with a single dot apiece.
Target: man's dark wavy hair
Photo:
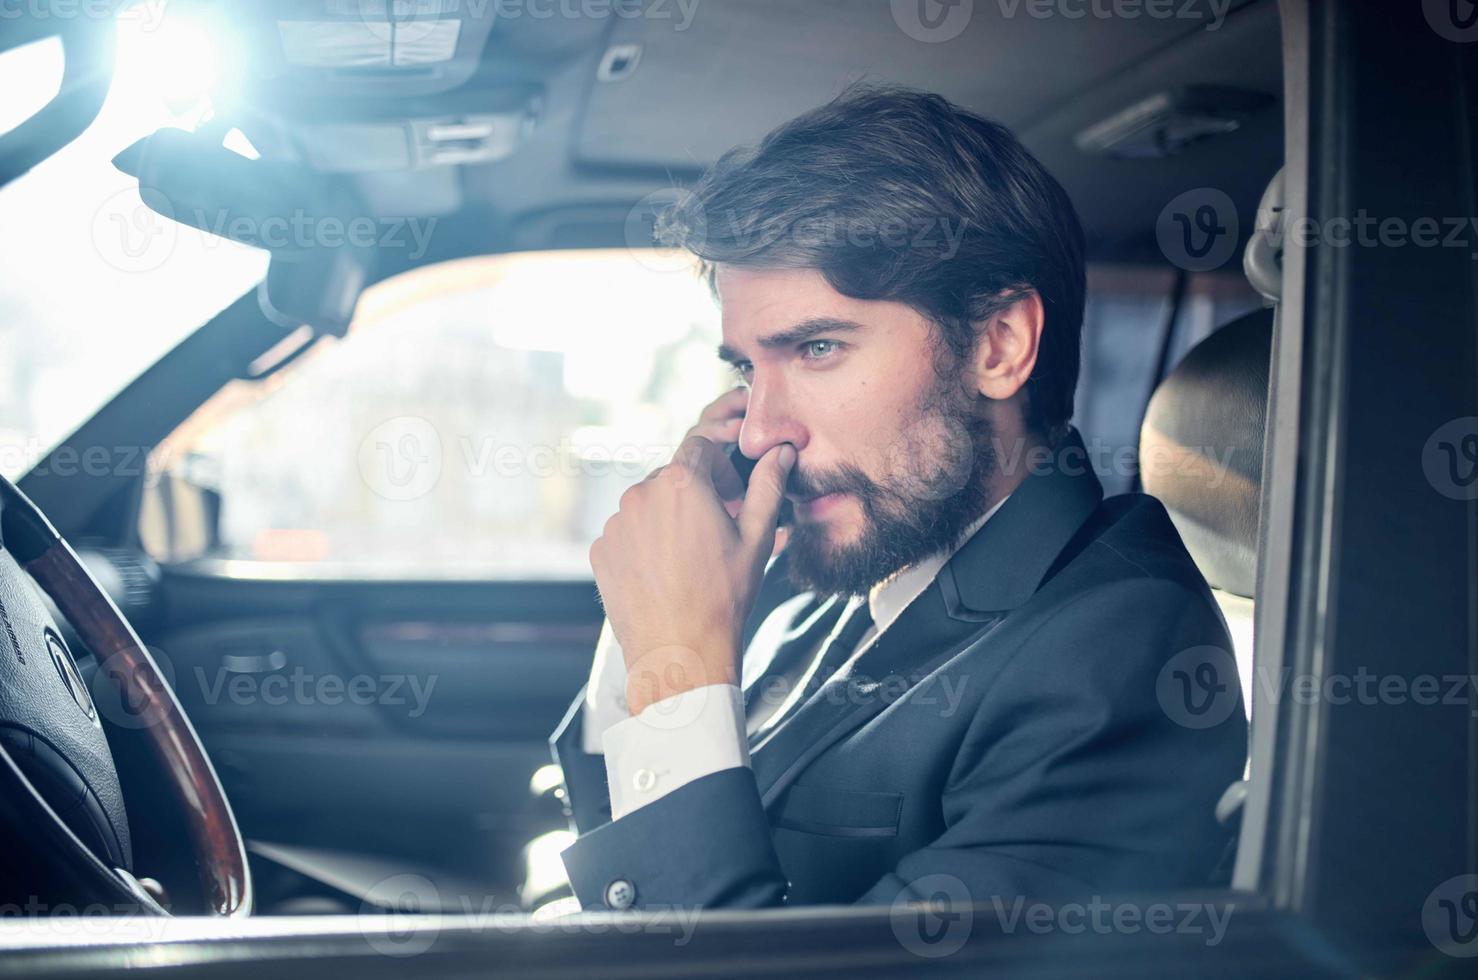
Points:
(895, 194)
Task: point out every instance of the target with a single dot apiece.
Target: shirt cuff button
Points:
(620, 894)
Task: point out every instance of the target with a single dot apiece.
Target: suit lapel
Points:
(994, 572)
(923, 637)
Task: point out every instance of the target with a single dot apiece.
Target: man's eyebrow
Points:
(798, 334)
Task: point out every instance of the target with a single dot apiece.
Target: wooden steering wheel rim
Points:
(215, 840)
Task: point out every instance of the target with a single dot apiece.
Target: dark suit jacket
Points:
(1010, 731)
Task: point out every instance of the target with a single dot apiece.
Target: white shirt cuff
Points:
(673, 742)
(605, 693)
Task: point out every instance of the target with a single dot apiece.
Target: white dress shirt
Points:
(702, 731)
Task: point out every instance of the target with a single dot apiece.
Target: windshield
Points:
(97, 287)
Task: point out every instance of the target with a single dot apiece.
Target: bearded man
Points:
(959, 696)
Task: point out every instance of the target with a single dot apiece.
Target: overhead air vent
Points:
(1167, 123)
(129, 577)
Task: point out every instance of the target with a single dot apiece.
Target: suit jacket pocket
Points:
(838, 812)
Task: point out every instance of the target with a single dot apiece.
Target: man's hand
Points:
(720, 422)
(722, 418)
(678, 572)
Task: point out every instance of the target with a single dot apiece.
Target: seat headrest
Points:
(1263, 259)
(1201, 448)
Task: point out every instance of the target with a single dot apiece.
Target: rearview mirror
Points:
(314, 278)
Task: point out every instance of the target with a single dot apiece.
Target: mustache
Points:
(805, 485)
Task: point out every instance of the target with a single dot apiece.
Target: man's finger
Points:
(702, 459)
(761, 510)
(725, 432)
(730, 404)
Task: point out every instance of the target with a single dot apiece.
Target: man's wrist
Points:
(674, 742)
(667, 671)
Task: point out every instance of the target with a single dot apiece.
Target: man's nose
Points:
(769, 421)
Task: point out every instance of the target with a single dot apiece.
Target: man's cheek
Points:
(932, 458)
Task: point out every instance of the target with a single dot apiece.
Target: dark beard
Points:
(935, 487)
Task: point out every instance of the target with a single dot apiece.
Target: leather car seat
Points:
(1202, 441)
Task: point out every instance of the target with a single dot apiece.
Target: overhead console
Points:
(491, 128)
(367, 48)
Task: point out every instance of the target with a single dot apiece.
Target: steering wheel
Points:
(58, 781)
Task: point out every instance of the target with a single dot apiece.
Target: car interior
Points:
(319, 504)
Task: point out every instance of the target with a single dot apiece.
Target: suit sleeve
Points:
(706, 845)
(577, 747)
(1079, 774)
(1071, 777)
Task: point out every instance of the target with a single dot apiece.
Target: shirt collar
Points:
(887, 600)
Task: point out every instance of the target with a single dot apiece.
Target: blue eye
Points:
(816, 349)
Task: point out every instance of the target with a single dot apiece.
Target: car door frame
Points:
(1349, 499)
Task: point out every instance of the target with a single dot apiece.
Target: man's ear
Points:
(1007, 347)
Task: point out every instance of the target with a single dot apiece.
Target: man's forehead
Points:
(743, 283)
(759, 305)
(756, 302)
